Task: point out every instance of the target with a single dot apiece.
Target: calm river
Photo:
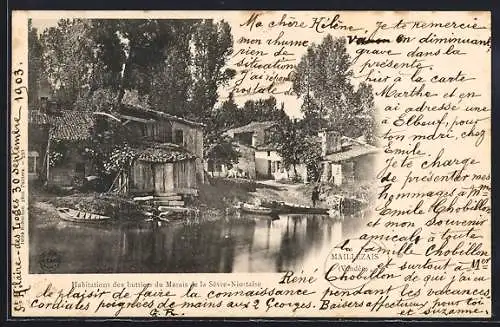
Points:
(244, 244)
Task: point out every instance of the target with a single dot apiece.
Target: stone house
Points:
(56, 139)
(168, 150)
(259, 155)
(345, 160)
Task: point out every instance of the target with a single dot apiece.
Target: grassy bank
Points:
(216, 198)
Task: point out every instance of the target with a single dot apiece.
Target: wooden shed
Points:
(159, 169)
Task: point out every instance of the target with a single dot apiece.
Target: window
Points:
(32, 162)
(165, 132)
(179, 137)
(268, 153)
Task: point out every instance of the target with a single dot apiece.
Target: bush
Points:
(245, 184)
(56, 190)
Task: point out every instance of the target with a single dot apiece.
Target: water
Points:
(223, 245)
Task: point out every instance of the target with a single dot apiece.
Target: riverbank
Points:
(215, 199)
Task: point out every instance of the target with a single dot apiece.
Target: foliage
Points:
(121, 157)
(229, 115)
(107, 137)
(69, 58)
(58, 152)
(221, 150)
(312, 158)
(212, 43)
(35, 64)
(296, 146)
(55, 158)
(99, 100)
(176, 66)
(323, 79)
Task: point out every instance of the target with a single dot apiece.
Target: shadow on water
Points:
(223, 245)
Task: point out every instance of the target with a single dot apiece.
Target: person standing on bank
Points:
(315, 195)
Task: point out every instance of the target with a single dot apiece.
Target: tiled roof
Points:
(252, 127)
(71, 125)
(36, 117)
(268, 147)
(352, 149)
(163, 153)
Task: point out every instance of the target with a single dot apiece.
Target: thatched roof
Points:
(162, 153)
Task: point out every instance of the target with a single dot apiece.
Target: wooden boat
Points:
(285, 207)
(78, 216)
(255, 210)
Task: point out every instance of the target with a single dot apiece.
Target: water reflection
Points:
(245, 244)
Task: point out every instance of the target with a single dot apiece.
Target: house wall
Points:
(278, 171)
(192, 138)
(38, 136)
(262, 161)
(64, 173)
(246, 161)
(164, 131)
(330, 142)
(355, 169)
(332, 172)
(364, 167)
(257, 137)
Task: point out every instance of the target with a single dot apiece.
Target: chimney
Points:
(330, 142)
(53, 107)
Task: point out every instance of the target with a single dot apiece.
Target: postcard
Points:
(250, 164)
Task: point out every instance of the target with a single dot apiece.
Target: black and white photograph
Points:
(176, 146)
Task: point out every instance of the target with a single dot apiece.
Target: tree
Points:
(69, 58)
(221, 150)
(172, 80)
(175, 66)
(35, 64)
(313, 120)
(227, 115)
(323, 79)
(110, 147)
(311, 157)
(212, 43)
(364, 119)
(297, 146)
